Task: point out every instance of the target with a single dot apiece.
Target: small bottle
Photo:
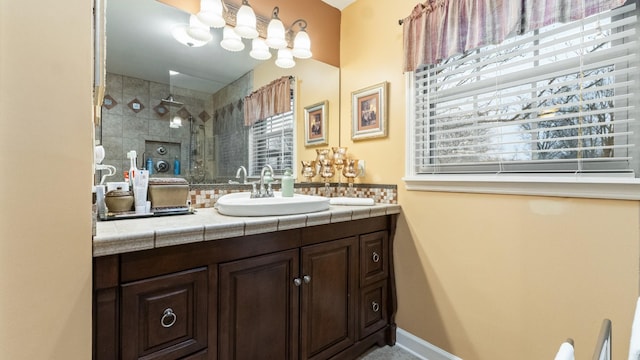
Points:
(287, 184)
(176, 166)
(150, 165)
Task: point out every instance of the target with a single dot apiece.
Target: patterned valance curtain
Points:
(268, 101)
(438, 29)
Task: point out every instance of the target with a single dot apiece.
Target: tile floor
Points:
(388, 353)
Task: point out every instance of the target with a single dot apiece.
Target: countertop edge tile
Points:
(260, 225)
(319, 218)
(179, 235)
(378, 211)
(289, 222)
(223, 231)
(116, 244)
(360, 212)
(393, 209)
(341, 215)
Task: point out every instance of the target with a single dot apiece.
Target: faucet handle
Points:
(254, 191)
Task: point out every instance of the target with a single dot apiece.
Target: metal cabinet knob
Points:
(375, 257)
(297, 282)
(307, 279)
(168, 318)
(375, 306)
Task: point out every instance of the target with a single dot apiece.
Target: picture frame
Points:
(315, 124)
(369, 112)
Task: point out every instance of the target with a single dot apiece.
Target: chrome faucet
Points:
(264, 190)
(242, 170)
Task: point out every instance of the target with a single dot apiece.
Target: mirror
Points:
(145, 66)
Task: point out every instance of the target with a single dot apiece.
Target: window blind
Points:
(560, 99)
(271, 142)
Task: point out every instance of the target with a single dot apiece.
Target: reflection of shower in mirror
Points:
(197, 145)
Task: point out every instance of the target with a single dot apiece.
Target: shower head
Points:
(170, 101)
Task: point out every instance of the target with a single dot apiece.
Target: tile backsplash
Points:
(204, 196)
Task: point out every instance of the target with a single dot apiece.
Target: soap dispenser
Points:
(287, 184)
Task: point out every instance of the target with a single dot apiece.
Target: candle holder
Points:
(339, 156)
(327, 172)
(350, 171)
(322, 154)
(308, 170)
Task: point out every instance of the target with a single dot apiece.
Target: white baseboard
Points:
(421, 348)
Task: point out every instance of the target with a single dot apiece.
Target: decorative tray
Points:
(155, 213)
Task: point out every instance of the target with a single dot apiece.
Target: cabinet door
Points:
(259, 304)
(165, 317)
(329, 274)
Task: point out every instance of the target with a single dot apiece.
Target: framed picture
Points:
(369, 112)
(315, 124)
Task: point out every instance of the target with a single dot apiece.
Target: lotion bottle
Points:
(287, 184)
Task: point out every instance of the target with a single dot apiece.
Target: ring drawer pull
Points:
(168, 318)
(375, 306)
(375, 257)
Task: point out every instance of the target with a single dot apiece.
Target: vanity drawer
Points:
(373, 308)
(166, 316)
(374, 262)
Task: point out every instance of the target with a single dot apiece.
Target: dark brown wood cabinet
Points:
(322, 292)
(259, 307)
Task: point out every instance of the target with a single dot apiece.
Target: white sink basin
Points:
(241, 204)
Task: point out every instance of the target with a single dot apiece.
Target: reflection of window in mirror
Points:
(271, 143)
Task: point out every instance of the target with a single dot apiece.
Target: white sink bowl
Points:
(241, 204)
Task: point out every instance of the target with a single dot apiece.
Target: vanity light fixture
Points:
(231, 41)
(180, 33)
(302, 42)
(285, 59)
(212, 13)
(259, 49)
(198, 30)
(241, 23)
(275, 32)
(246, 21)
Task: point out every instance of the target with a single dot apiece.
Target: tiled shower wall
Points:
(123, 129)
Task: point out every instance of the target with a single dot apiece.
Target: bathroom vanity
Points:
(207, 286)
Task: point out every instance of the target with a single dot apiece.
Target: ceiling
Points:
(339, 4)
(139, 44)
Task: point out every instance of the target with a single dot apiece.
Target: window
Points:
(560, 100)
(271, 142)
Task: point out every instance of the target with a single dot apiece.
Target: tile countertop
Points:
(121, 236)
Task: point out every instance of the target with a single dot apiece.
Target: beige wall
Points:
(489, 276)
(316, 82)
(45, 202)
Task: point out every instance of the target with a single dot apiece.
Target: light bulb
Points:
(285, 59)
(179, 33)
(246, 22)
(276, 34)
(211, 13)
(198, 30)
(230, 40)
(302, 45)
(259, 49)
